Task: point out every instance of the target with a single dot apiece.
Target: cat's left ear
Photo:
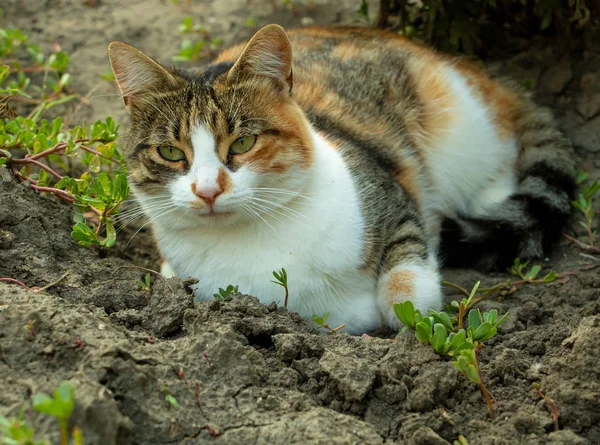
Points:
(269, 54)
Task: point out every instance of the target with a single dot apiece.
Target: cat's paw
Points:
(420, 284)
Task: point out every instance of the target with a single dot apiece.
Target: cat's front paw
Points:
(417, 283)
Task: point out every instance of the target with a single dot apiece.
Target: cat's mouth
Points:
(216, 214)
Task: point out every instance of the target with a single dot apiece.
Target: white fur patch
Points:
(470, 167)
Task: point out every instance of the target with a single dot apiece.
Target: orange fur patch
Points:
(400, 286)
(224, 181)
(407, 175)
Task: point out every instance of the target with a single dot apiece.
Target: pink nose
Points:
(208, 195)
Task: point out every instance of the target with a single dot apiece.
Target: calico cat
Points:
(352, 157)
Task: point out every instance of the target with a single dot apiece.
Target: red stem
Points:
(488, 397)
(582, 246)
(39, 164)
(12, 280)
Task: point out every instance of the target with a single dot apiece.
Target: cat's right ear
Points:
(136, 73)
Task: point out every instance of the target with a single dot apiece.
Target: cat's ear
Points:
(136, 73)
(268, 53)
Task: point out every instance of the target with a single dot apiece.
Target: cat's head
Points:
(226, 143)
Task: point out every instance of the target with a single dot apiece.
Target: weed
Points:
(40, 153)
(169, 398)
(15, 431)
(322, 321)
(551, 403)
(282, 280)
(507, 287)
(60, 406)
(29, 327)
(224, 293)
(584, 205)
(202, 46)
(363, 13)
(462, 345)
(146, 284)
(15, 50)
(462, 440)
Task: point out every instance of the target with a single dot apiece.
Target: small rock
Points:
(557, 77)
(288, 346)
(536, 347)
(426, 436)
(587, 136)
(566, 437)
(354, 376)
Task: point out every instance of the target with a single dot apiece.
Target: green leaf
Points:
(491, 316)
(172, 400)
(458, 339)
(534, 271)
(501, 319)
(44, 404)
(581, 177)
(111, 234)
(472, 374)
(439, 337)
(405, 311)
(474, 318)
(443, 318)
(482, 330)
(423, 332)
(82, 233)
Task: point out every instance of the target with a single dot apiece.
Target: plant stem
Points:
(12, 280)
(488, 397)
(38, 164)
(582, 246)
(550, 402)
(64, 432)
(461, 289)
(285, 302)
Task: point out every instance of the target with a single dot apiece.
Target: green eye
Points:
(171, 153)
(242, 145)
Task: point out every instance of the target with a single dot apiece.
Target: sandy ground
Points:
(249, 373)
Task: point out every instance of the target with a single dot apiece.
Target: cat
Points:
(352, 157)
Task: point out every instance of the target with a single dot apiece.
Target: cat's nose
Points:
(208, 194)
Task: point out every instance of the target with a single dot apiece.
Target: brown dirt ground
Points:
(264, 375)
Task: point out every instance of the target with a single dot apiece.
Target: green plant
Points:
(224, 293)
(60, 406)
(462, 440)
(363, 12)
(43, 154)
(462, 345)
(462, 26)
(322, 321)
(282, 280)
(146, 284)
(95, 198)
(584, 204)
(169, 398)
(505, 287)
(203, 46)
(15, 431)
(16, 50)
